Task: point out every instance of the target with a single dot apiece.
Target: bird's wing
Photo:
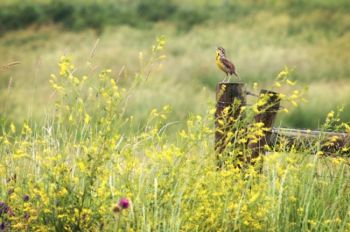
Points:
(229, 66)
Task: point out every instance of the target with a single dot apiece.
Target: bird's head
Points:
(220, 51)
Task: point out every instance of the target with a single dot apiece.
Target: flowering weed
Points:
(86, 169)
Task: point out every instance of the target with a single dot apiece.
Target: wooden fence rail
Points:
(330, 142)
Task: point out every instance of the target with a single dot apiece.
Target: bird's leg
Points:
(229, 78)
(226, 77)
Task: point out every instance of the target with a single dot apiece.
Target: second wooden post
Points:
(268, 107)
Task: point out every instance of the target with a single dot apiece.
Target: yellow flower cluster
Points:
(68, 174)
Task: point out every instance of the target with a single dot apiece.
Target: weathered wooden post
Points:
(268, 106)
(229, 96)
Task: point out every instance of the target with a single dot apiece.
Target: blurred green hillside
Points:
(80, 14)
(312, 37)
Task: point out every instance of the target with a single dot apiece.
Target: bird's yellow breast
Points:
(219, 63)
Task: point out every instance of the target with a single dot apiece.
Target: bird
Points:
(224, 64)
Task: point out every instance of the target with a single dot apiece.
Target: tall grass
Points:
(70, 173)
(259, 46)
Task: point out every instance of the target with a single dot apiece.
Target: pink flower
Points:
(124, 203)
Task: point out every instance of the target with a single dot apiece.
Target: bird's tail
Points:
(239, 78)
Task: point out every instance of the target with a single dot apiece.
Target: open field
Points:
(106, 128)
(69, 174)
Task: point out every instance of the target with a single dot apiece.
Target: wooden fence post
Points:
(232, 97)
(268, 112)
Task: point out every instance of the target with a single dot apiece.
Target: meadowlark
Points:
(224, 64)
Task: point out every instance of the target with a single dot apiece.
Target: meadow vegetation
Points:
(69, 174)
(119, 136)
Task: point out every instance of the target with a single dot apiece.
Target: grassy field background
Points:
(100, 131)
(311, 37)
